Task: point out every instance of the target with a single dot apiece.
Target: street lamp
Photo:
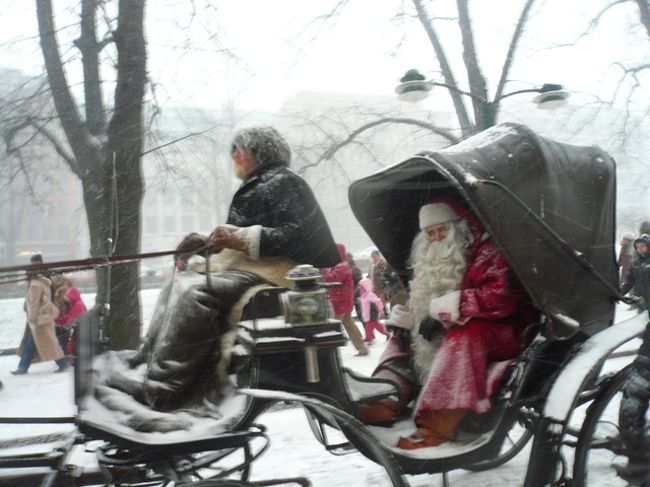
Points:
(414, 87)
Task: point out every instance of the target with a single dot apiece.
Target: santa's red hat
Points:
(439, 210)
(442, 210)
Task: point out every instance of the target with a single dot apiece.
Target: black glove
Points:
(403, 337)
(428, 326)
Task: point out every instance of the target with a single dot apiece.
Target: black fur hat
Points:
(645, 238)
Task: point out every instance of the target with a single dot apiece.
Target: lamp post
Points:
(415, 87)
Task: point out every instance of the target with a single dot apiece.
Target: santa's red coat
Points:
(493, 311)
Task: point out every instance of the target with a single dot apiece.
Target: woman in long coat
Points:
(39, 340)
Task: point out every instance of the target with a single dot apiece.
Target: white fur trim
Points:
(252, 236)
(448, 303)
(435, 213)
(196, 263)
(424, 351)
(230, 334)
(400, 317)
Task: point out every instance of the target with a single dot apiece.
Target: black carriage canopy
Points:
(549, 207)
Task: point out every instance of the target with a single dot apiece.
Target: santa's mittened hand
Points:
(428, 326)
(402, 336)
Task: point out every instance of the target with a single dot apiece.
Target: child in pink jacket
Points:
(372, 308)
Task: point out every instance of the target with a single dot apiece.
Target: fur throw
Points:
(272, 269)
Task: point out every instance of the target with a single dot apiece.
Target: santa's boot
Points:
(387, 410)
(434, 428)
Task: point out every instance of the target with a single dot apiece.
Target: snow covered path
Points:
(293, 452)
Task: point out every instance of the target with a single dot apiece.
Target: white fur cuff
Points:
(252, 236)
(400, 317)
(448, 306)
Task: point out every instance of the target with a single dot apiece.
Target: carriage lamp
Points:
(306, 303)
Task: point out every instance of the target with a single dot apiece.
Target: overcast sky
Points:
(258, 52)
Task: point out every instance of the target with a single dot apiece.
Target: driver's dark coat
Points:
(293, 224)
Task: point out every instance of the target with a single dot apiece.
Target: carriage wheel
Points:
(516, 439)
(599, 442)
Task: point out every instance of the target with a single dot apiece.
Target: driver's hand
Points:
(189, 246)
(228, 236)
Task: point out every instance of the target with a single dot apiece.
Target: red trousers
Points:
(373, 325)
(468, 367)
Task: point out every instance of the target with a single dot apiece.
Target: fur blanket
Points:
(183, 365)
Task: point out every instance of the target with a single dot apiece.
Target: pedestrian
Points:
(376, 274)
(72, 307)
(357, 275)
(39, 340)
(60, 285)
(638, 278)
(625, 256)
(372, 309)
(342, 297)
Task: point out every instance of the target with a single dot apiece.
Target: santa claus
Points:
(466, 311)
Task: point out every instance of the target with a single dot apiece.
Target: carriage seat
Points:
(362, 388)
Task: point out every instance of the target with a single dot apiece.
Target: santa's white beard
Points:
(438, 269)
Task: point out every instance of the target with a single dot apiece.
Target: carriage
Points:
(549, 208)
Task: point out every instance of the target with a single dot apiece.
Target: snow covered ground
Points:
(293, 452)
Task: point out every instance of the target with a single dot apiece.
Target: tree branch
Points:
(336, 146)
(71, 122)
(644, 13)
(90, 49)
(60, 149)
(512, 48)
(482, 114)
(445, 67)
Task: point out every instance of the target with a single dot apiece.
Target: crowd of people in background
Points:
(52, 306)
(370, 297)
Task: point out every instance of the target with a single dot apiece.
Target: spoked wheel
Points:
(599, 445)
(515, 441)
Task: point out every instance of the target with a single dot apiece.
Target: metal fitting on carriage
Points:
(472, 180)
(306, 303)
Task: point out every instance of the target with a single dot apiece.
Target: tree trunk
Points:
(106, 159)
(125, 134)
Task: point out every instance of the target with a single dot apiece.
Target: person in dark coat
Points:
(638, 278)
(636, 390)
(274, 223)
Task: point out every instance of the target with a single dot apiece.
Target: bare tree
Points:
(104, 152)
(484, 109)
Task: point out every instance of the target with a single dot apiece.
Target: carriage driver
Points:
(464, 319)
(274, 223)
